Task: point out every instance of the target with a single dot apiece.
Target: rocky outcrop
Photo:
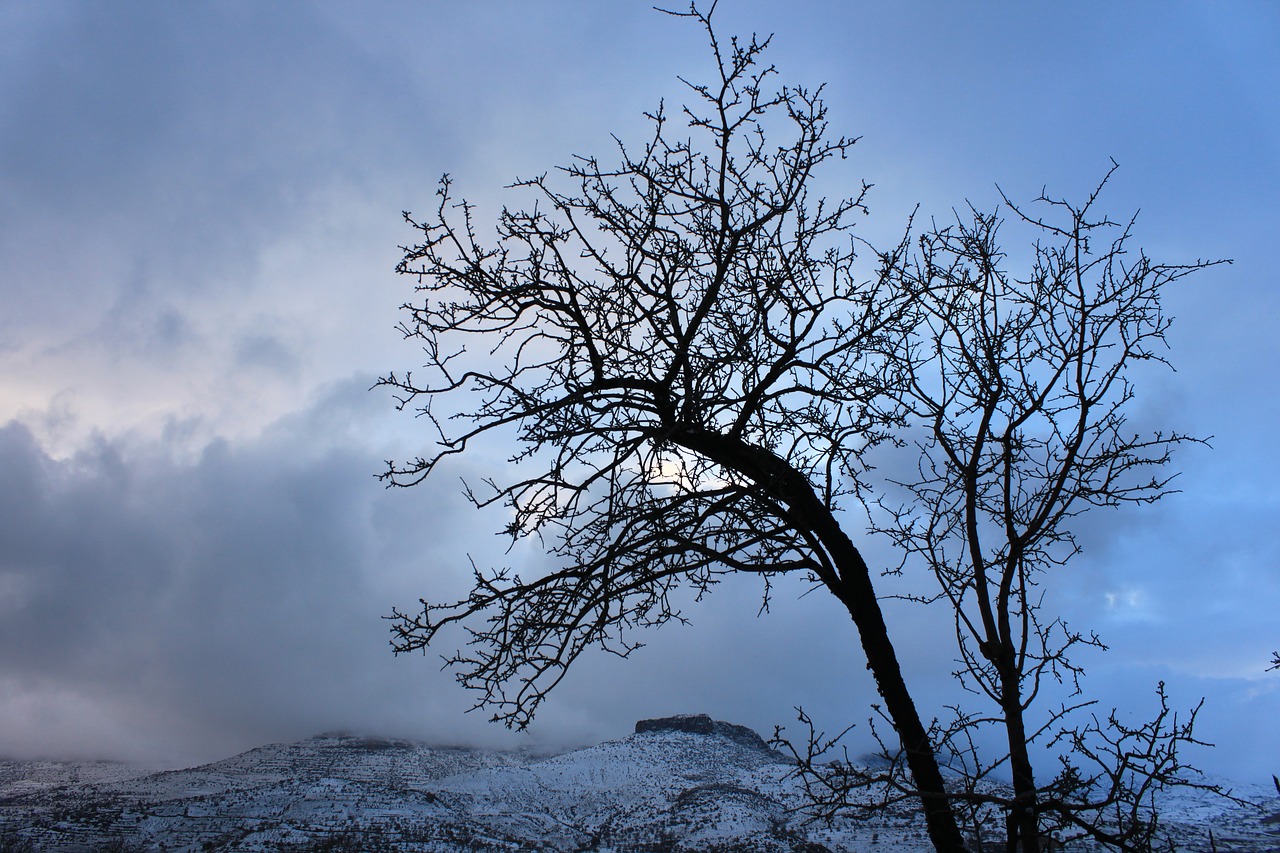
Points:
(701, 724)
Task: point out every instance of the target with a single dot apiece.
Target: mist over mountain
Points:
(681, 783)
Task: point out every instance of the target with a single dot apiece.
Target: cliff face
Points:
(701, 724)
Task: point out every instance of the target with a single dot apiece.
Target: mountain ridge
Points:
(679, 783)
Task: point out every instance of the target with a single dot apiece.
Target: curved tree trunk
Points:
(859, 597)
(853, 586)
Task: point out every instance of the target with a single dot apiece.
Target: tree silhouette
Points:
(692, 371)
(683, 353)
(1015, 391)
(1021, 387)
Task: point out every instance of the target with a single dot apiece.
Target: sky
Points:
(200, 213)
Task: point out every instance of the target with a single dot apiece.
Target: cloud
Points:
(236, 596)
(176, 607)
(172, 606)
(197, 226)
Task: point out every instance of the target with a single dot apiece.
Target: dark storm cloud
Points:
(236, 595)
(235, 598)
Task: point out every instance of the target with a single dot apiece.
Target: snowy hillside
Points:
(683, 783)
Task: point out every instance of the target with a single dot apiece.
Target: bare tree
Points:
(686, 360)
(1018, 389)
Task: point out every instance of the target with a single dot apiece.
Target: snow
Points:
(659, 790)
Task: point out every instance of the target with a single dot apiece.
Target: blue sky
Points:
(199, 215)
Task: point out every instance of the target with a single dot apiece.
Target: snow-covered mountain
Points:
(680, 783)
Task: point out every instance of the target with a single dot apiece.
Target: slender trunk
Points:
(1024, 817)
(859, 597)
